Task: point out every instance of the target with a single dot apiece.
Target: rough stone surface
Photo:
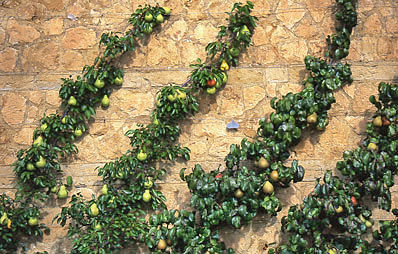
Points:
(8, 59)
(79, 38)
(40, 45)
(21, 33)
(13, 108)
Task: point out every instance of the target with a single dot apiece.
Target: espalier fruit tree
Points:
(332, 219)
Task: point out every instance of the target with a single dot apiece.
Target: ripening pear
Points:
(378, 122)
(313, 118)
(224, 66)
(41, 163)
(268, 187)
(94, 209)
(63, 192)
(263, 163)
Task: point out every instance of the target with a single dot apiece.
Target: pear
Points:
(224, 78)
(99, 83)
(238, 193)
(63, 192)
(224, 66)
(4, 218)
(181, 95)
(263, 163)
(78, 132)
(141, 156)
(94, 210)
(41, 163)
(104, 190)
(43, 127)
(211, 90)
(167, 10)
(245, 30)
(38, 141)
(162, 244)
(312, 118)
(97, 227)
(54, 189)
(148, 17)
(339, 209)
(30, 166)
(148, 183)
(172, 97)
(372, 146)
(146, 196)
(33, 221)
(274, 175)
(268, 187)
(63, 120)
(72, 101)
(159, 18)
(105, 101)
(118, 81)
(378, 122)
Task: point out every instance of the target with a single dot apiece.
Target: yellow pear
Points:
(313, 118)
(263, 163)
(94, 209)
(377, 121)
(268, 187)
(4, 218)
(162, 244)
(238, 193)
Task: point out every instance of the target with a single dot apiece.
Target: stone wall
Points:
(39, 45)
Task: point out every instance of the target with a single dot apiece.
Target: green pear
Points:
(43, 127)
(99, 83)
(104, 190)
(167, 10)
(38, 141)
(72, 101)
(63, 120)
(54, 189)
(141, 156)
(148, 17)
(30, 166)
(245, 30)
(105, 101)
(41, 163)
(146, 196)
(118, 81)
(78, 132)
(159, 18)
(97, 227)
(63, 192)
(33, 221)
(94, 210)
